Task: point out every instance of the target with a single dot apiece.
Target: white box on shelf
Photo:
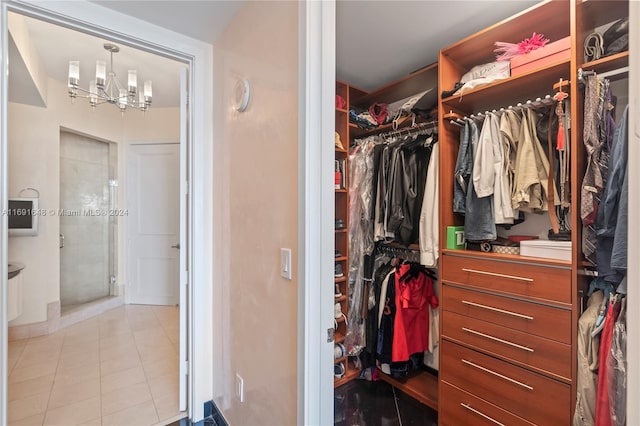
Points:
(560, 250)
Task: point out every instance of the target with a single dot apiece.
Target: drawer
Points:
(543, 354)
(524, 393)
(532, 318)
(458, 407)
(544, 283)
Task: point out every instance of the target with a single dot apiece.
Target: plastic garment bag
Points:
(360, 239)
(617, 363)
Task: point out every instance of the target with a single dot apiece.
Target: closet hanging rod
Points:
(428, 125)
(582, 73)
(539, 102)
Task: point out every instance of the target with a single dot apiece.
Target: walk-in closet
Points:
(481, 226)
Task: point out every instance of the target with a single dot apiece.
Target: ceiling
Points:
(376, 41)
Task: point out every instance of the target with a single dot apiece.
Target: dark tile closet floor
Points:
(364, 403)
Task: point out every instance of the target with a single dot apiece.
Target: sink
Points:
(14, 269)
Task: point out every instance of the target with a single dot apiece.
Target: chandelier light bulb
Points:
(148, 92)
(101, 73)
(93, 93)
(74, 73)
(133, 82)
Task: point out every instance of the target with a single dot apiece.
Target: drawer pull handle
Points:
(486, 370)
(473, 410)
(502, 311)
(506, 342)
(495, 274)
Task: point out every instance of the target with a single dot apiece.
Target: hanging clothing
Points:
(479, 223)
(462, 172)
(429, 220)
(611, 221)
(603, 410)
(588, 363)
(597, 138)
(510, 122)
(414, 294)
(488, 170)
(531, 168)
(617, 368)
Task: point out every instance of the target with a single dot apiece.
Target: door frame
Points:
(316, 199)
(93, 19)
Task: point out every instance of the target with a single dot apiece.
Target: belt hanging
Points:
(561, 146)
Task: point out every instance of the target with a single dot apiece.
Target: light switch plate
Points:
(285, 263)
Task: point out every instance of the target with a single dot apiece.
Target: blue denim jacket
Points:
(611, 222)
(479, 220)
(462, 173)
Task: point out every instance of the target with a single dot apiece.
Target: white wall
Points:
(34, 161)
(255, 214)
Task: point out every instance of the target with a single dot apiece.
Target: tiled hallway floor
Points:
(119, 368)
(378, 403)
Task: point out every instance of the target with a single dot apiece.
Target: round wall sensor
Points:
(242, 95)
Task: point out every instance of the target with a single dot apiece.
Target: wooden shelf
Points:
(608, 63)
(343, 230)
(350, 375)
(416, 82)
(550, 18)
(341, 298)
(341, 190)
(421, 385)
(340, 280)
(510, 91)
(342, 110)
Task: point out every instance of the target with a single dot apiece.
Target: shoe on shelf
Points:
(340, 224)
(339, 370)
(338, 351)
(339, 314)
(338, 142)
(338, 254)
(337, 272)
(338, 294)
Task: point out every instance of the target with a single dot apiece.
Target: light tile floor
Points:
(119, 368)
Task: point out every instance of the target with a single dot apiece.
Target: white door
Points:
(154, 224)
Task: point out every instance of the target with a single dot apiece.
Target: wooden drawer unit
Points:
(458, 407)
(543, 283)
(532, 318)
(526, 394)
(545, 355)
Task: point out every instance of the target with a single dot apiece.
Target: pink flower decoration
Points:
(528, 44)
(505, 51)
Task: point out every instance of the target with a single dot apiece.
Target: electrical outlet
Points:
(240, 387)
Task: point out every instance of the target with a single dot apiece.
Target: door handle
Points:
(61, 241)
(177, 246)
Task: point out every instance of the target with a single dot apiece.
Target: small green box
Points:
(455, 237)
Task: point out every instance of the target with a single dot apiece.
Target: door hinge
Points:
(330, 334)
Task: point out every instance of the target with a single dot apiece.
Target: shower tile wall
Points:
(84, 190)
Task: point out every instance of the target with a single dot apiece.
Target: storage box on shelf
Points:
(557, 51)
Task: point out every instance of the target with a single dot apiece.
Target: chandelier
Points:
(107, 89)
